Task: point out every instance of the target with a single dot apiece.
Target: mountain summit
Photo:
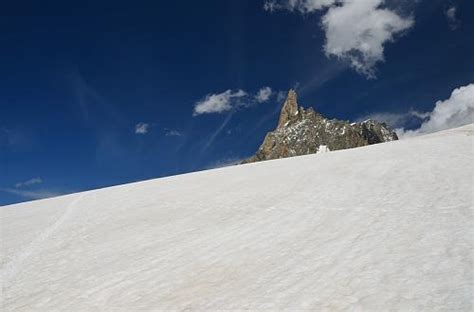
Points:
(289, 109)
(304, 131)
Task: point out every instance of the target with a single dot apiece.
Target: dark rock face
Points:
(302, 132)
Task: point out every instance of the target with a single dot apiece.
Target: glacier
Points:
(376, 228)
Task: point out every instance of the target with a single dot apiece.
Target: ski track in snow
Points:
(10, 269)
(384, 227)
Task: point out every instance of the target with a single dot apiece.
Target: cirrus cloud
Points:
(32, 194)
(29, 182)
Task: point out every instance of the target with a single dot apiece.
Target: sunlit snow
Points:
(383, 227)
(323, 149)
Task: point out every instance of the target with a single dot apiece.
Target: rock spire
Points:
(301, 132)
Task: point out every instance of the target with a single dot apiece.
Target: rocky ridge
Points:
(304, 131)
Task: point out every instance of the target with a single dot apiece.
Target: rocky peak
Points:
(289, 111)
(301, 132)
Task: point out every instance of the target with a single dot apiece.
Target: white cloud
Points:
(141, 128)
(356, 30)
(263, 94)
(218, 103)
(29, 182)
(230, 100)
(452, 18)
(171, 132)
(456, 111)
(303, 6)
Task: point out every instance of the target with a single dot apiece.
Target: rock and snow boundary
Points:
(383, 227)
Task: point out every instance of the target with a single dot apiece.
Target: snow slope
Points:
(383, 227)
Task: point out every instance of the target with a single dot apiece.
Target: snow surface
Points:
(323, 149)
(384, 227)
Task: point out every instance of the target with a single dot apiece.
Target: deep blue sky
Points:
(76, 79)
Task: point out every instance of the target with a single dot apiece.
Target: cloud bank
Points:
(356, 30)
(454, 112)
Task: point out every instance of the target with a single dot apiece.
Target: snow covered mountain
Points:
(383, 227)
(304, 131)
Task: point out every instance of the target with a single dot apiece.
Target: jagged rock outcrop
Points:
(304, 131)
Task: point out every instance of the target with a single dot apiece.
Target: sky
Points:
(100, 93)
